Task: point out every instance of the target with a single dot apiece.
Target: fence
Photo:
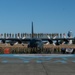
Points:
(24, 50)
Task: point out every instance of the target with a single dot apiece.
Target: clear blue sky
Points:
(49, 16)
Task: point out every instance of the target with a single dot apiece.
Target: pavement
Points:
(37, 64)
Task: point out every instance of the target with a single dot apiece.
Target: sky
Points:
(48, 16)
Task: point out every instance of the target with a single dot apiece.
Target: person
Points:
(63, 50)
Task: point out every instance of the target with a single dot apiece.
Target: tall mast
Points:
(32, 31)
